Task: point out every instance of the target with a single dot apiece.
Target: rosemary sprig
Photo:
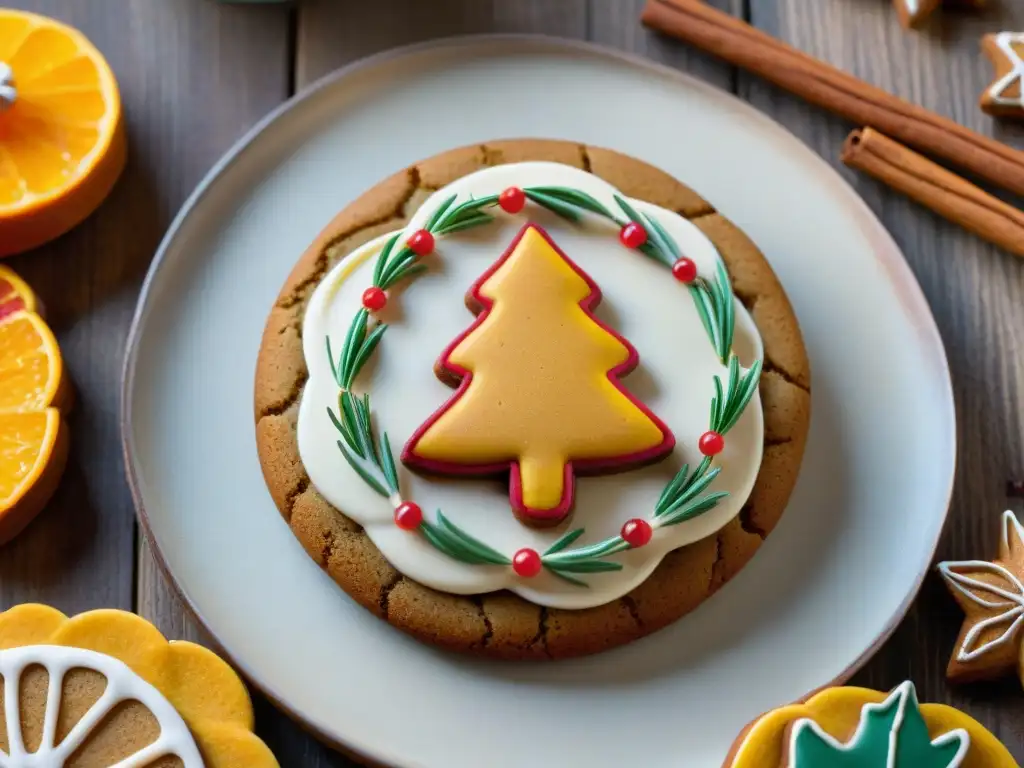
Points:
(716, 306)
(359, 345)
(371, 459)
(681, 499)
(728, 404)
(456, 543)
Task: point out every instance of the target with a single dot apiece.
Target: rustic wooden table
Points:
(195, 74)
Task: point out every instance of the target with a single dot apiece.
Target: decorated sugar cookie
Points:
(551, 398)
(991, 594)
(861, 728)
(1005, 97)
(607, 430)
(913, 13)
(106, 690)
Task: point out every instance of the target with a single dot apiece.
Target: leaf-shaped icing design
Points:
(892, 734)
(995, 591)
(122, 685)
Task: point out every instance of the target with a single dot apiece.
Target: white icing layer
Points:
(1006, 42)
(122, 685)
(641, 301)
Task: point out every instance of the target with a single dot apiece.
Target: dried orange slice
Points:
(33, 452)
(15, 293)
(31, 369)
(33, 435)
(62, 143)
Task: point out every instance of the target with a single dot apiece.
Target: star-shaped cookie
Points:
(1005, 97)
(991, 594)
(914, 12)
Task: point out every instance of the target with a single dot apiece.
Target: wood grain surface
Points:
(195, 74)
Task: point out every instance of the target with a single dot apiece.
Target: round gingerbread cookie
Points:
(531, 399)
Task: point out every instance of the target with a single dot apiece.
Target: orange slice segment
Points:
(62, 143)
(15, 294)
(33, 452)
(31, 369)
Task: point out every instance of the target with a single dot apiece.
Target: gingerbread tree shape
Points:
(539, 394)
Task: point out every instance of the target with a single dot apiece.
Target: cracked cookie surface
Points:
(501, 624)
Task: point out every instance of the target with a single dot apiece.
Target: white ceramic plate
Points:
(827, 587)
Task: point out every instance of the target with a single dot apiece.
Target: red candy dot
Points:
(684, 270)
(636, 532)
(421, 243)
(408, 516)
(526, 563)
(374, 299)
(512, 200)
(711, 443)
(633, 235)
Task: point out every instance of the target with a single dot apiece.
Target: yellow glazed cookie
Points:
(105, 688)
(861, 728)
(543, 396)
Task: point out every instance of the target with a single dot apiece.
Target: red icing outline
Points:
(572, 468)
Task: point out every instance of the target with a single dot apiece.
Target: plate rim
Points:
(888, 252)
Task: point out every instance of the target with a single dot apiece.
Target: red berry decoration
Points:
(684, 270)
(408, 516)
(633, 235)
(421, 243)
(526, 563)
(374, 299)
(512, 200)
(636, 532)
(711, 443)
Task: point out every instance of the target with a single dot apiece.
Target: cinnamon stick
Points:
(740, 44)
(936, 188)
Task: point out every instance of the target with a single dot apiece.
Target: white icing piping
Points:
(975, 589)
(122, 685)
(1006, 41)
(8, 93)
(905, 693)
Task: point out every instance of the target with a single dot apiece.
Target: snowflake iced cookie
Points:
(991, 594)
(860, 728)
(639, 447)
(104, 689)
(1005, 97)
